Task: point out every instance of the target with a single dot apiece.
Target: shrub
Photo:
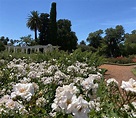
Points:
(62, 56)
(120, 60)
(61, 85)
(2, 47)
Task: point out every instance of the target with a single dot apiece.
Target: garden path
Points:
(118, 72)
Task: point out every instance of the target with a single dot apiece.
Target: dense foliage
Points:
(4, 40)
(2, 47)
(44, 36)
(95, 38)
(113, 43)
(66, 38)
(113, 38)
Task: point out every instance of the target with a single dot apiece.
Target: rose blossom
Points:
(79, 108)
(129, 85)
(23, 90)
(64, 97)
(111, 80)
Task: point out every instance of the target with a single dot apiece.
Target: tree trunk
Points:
(35, 31)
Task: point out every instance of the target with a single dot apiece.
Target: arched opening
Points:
(41, 50)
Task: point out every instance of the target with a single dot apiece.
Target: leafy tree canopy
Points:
(82, 42)
(66, 38)
(115, 35)
(4, 40)
(2, 47)
(94, 38)
(25, 40)
(113, 38)
(33, 22)
(131, 38)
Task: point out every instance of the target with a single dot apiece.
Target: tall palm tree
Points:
(33, 22)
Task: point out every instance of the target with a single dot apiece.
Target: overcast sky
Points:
(86, 16)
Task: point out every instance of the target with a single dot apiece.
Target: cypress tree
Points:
(53, 24)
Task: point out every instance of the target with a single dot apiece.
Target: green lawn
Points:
(134, 71)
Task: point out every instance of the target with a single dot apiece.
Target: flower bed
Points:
(122, 60)
(62, 89)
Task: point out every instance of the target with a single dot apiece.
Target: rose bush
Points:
(68, 86)
(24, 90)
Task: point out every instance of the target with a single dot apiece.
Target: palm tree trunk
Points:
(35, 31)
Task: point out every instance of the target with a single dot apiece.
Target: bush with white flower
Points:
(129, 86)
(24, 90)
(62, 85)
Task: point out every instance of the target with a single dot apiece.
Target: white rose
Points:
(111, 80)
(129, 85)
(23, 90)
(79, 108)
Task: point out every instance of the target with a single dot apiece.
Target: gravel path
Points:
(118, 72)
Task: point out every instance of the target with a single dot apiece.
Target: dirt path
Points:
(118, 72)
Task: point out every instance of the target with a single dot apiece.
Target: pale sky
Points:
(86, 16)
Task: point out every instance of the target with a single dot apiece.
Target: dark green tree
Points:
(103, 49)
(53, 24)
(44, 29)
(2, 47)
(26, 40)
(95, 38)
(82, 42)
(12, 42)
(4, 40)
(83, 46)
(129, 46)
(133, 32)
(113, 38)
(130, 38)
(33, 22)
(66, 38)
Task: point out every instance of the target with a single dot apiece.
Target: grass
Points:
(134, 71)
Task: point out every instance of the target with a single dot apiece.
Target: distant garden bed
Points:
(131, 60)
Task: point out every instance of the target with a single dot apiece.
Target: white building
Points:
(31, 49)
